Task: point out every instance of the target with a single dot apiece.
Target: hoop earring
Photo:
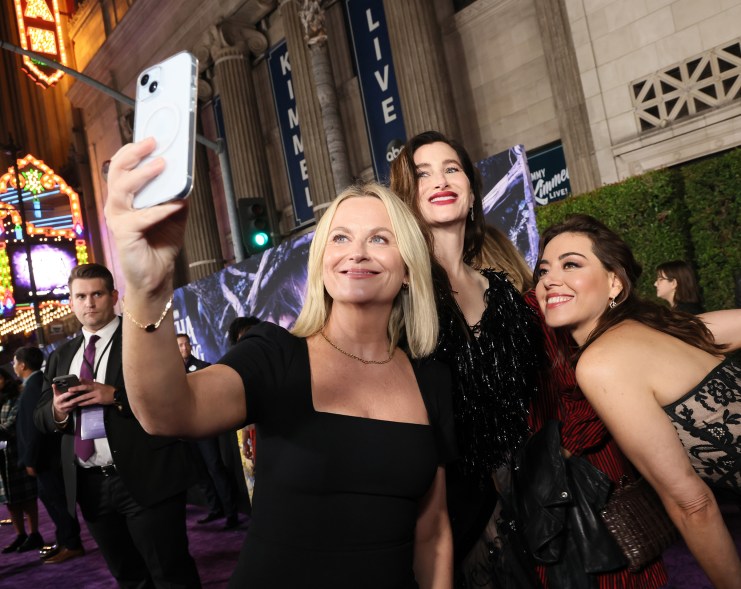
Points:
(613, 304)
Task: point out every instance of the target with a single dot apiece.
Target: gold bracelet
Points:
(149, 327)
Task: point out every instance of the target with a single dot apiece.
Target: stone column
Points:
(233, 80)
(203, 253)
(313, 20)
(321, 183)
(568, 95)
(421, 72)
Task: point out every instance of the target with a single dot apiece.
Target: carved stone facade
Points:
(232, 49)
(419, 60)
(492, 73)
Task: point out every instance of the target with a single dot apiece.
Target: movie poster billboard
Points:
(509, 204)
(269, 286)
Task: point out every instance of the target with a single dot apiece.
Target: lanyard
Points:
(94, 369)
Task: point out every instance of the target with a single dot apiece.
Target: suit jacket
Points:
(152, 468)
(35, 449)
(194, 364)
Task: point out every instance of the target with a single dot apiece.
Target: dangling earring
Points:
(612, 304)
(471, 213)
(404, 286)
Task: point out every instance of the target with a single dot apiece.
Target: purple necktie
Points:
(84, 449)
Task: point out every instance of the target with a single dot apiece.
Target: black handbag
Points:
(637, 520)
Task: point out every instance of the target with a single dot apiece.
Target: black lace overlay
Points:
(708, 421)
(494, 367)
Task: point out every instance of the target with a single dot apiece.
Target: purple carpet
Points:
(216, 551)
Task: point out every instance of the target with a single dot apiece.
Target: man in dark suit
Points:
(218, 484)
(130, 485)
(40, 455)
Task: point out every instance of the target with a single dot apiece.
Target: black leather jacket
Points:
(558, 503)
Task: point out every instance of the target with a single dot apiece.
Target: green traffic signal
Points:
(260, 239)
(254, 223)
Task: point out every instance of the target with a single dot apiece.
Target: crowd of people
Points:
(130, 486)
(393, 419)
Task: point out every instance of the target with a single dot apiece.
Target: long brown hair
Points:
(688, 291)
(617, 257)
(500, 253)
(404, 183)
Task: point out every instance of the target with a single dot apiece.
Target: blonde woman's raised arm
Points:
(148, 240)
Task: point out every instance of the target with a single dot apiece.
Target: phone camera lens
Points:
(152, 87)
(144, 80)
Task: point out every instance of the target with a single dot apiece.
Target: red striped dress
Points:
(583, 434)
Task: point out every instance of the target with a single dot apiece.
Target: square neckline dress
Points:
(336, 496)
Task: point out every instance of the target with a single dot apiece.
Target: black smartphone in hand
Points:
(66, 382)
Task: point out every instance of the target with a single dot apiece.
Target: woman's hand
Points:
(148, 240)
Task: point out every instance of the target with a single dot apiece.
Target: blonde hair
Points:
(414, 312)
(501, 254)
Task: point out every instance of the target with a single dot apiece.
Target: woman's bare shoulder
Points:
(630, 336)
(623, 348)
(624, 335)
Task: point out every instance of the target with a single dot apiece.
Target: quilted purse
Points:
(637, 520)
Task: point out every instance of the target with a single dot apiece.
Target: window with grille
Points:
(698, 84)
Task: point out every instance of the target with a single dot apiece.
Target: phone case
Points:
(166, 102)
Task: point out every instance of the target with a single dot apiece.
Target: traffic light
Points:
(254, 223)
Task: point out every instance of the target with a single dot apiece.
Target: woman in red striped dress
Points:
(658, 380)
(583, 434)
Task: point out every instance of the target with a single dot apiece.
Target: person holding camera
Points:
(355, 431)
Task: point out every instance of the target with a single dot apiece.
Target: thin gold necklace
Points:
(358, 358)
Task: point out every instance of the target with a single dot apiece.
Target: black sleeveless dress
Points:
(336, 497)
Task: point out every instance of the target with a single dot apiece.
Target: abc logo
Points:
(393, 149)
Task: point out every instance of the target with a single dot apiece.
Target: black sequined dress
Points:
(494, 369)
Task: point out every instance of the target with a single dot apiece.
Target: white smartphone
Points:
(166, 101)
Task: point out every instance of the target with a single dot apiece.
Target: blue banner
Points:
(381, 102)
(290, 132)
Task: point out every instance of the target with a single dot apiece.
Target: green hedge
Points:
(690, 213)
(713, 197)
(647, 211)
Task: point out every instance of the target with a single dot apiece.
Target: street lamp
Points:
(12, 150)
